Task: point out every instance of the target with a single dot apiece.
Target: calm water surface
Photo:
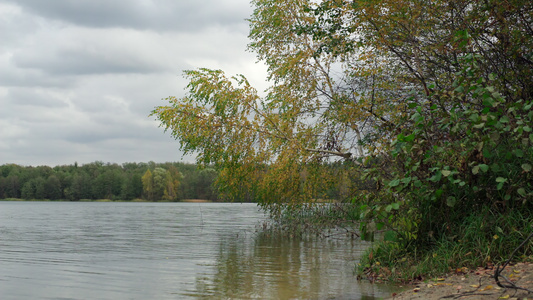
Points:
(62, 250)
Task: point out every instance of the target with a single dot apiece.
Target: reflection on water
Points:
(273, 267)
(166, 251)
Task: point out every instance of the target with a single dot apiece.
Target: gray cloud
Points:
(79, 78)
(182, 15)
(36, 97)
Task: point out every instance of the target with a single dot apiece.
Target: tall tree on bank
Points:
(148, 185)
(428, 104)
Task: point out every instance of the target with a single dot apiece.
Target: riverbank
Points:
(473, 285)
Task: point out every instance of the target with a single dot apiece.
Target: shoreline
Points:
(473, 284)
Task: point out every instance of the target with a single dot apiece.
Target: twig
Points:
(468, 293)
(499, 269)
(457, 296)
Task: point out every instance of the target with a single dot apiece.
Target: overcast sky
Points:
(78, 78)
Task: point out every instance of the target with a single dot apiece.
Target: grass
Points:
(481, 240)
(322, 219)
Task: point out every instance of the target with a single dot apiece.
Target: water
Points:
(62, 250)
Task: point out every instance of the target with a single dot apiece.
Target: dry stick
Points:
(499, 269)
(469, 293)
(466, 294)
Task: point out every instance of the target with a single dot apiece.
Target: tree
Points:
(160, 182)
(52, 188)
(262, 145)
(28, 190)
(132, 187)
(40, 189)
(148, 185)
(426, 104)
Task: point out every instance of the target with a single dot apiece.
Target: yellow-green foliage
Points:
(423, 106)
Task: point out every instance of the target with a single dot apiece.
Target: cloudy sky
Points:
(78, 78)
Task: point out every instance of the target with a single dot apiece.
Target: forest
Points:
(98, 180)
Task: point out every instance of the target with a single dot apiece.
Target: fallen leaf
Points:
(505, 297)
(474, 285)
(488, 287)
(416, 290)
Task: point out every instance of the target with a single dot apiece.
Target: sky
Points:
(78, 78)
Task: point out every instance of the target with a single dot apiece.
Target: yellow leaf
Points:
(505, 297)
(488, 287)
(442, 283)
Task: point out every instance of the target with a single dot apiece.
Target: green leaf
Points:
(474, 117)
(526, 167)
(484, 168)
(501, 179)
(521, 192)
(380, 225)
(451, 201)
(504, 119)
(446, 173)
(394, 183)
(396, 205)
(488, 101)
(410, 138)
(475, 170)
(436, 177)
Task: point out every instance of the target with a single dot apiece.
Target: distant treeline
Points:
(149, 181)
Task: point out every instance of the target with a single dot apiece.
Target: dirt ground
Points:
(474, 284)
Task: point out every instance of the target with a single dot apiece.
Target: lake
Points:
(112, 250)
